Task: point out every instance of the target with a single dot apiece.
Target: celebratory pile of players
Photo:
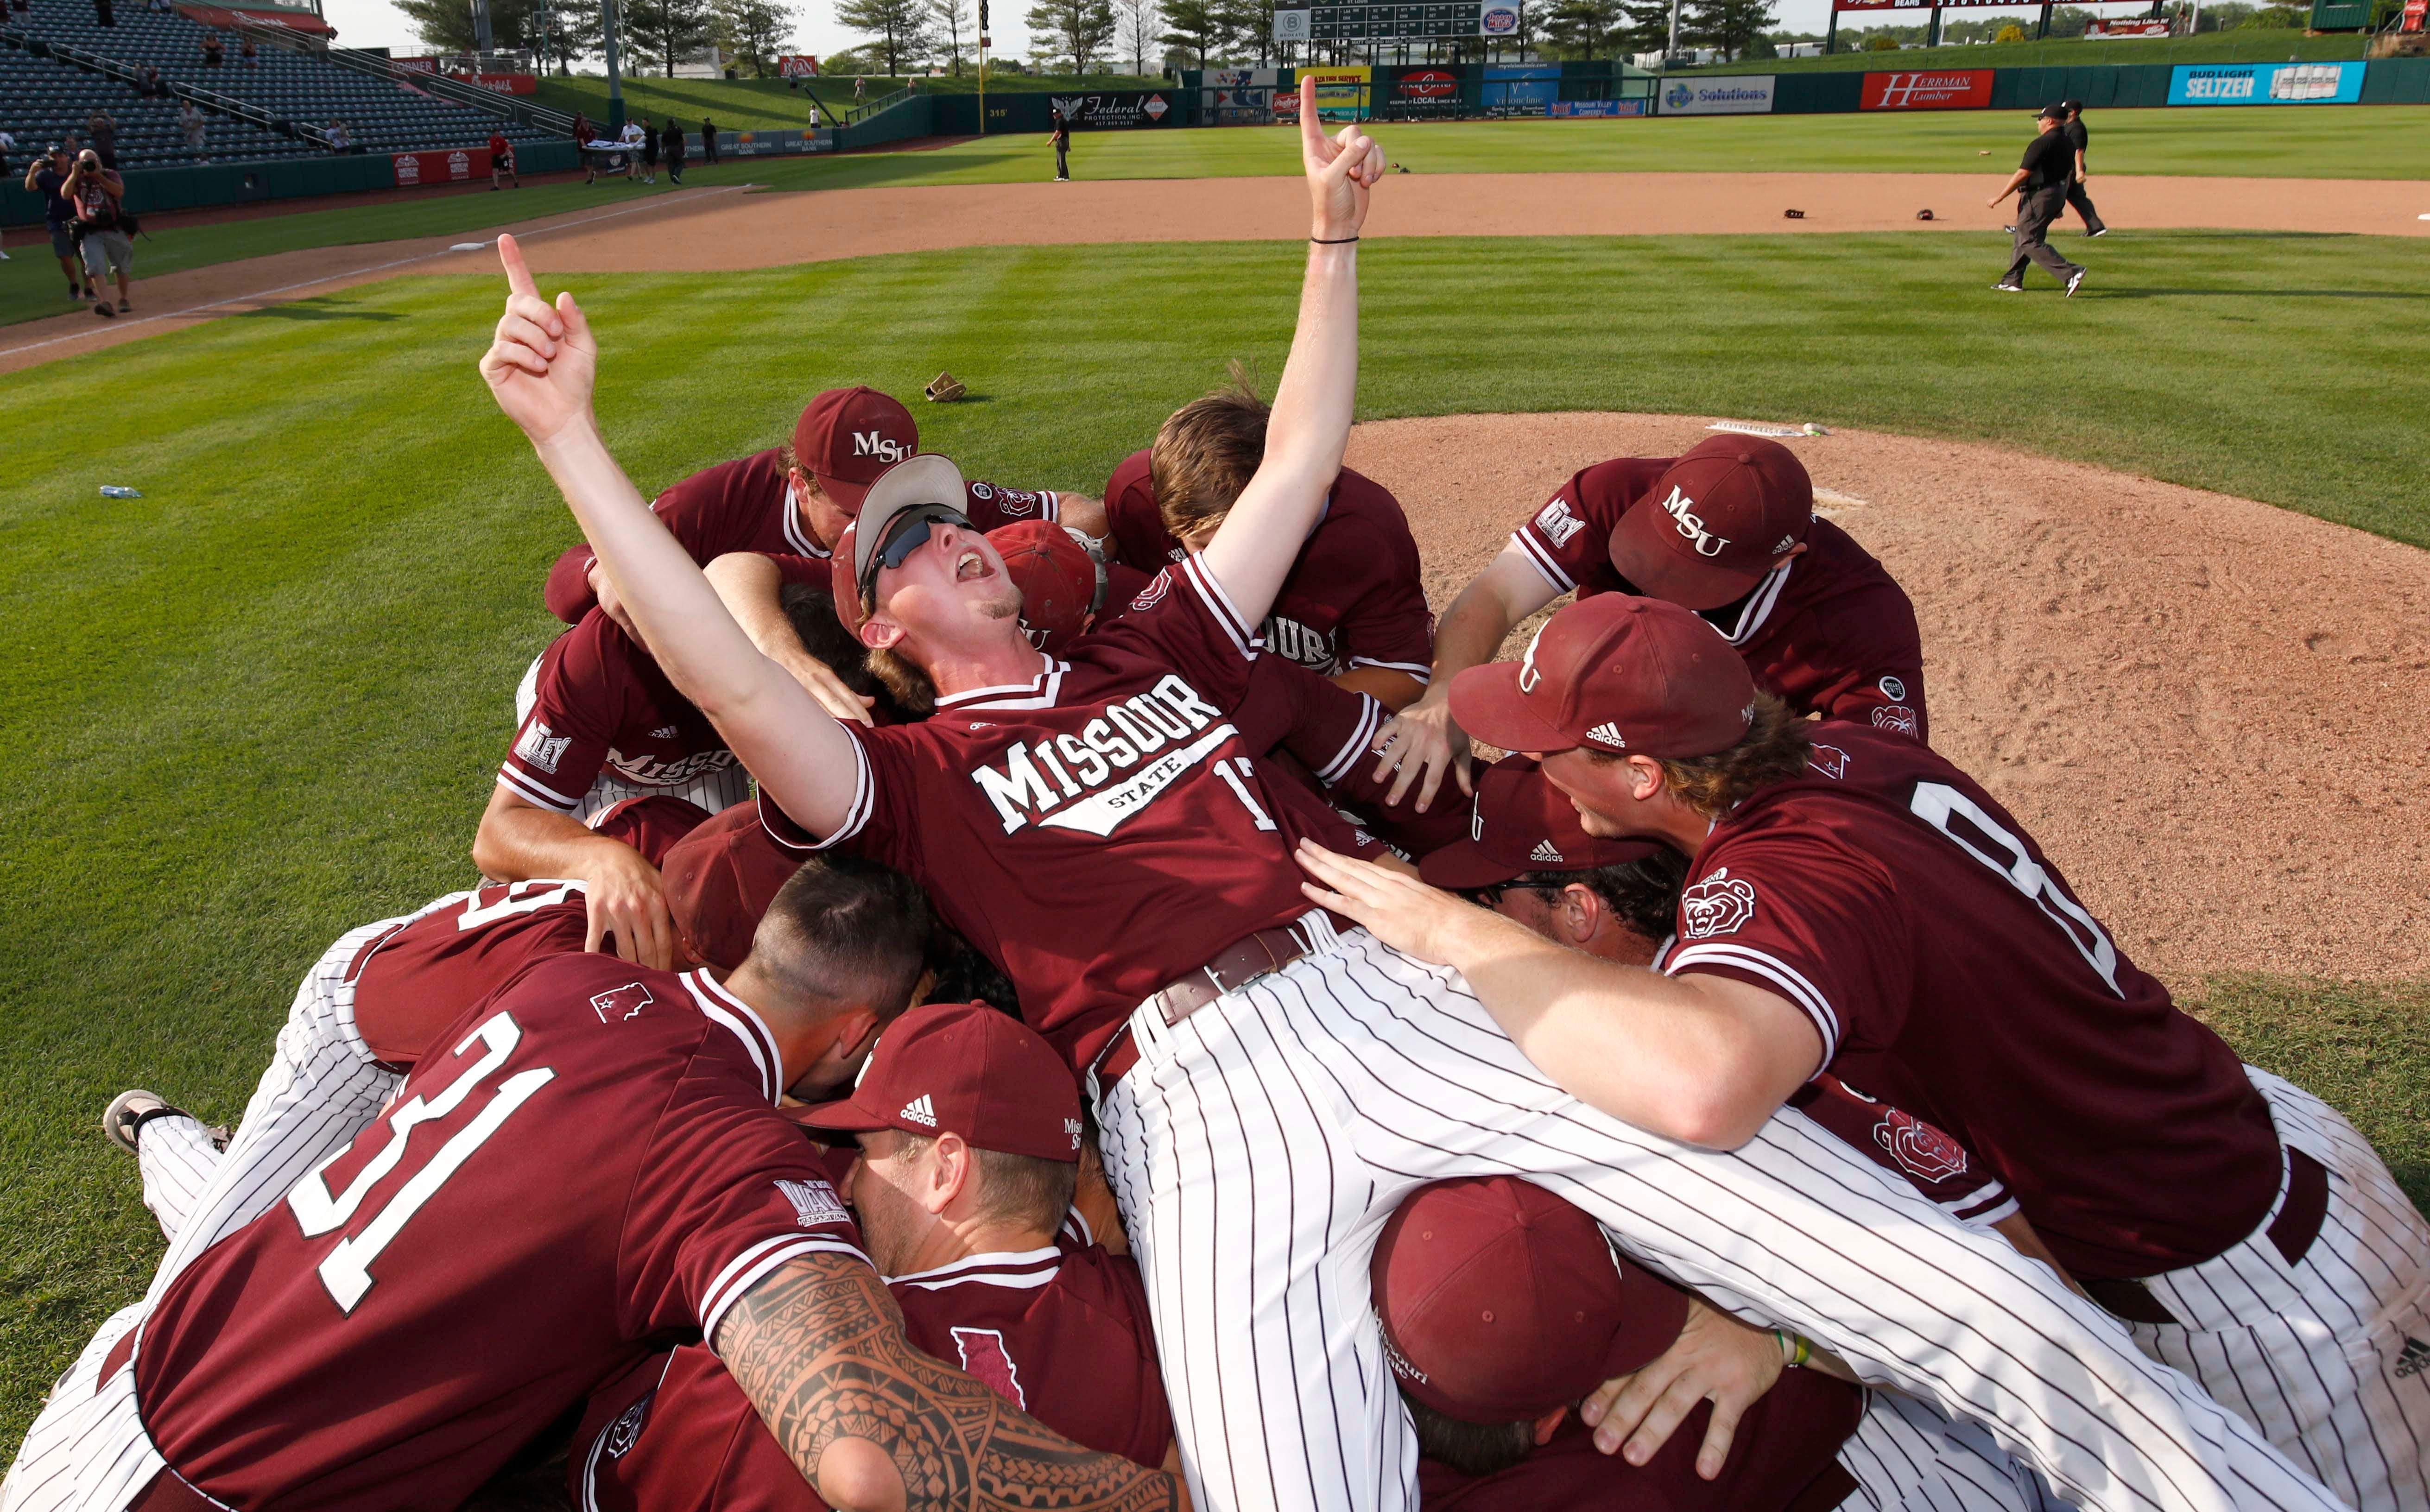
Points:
(984, 997)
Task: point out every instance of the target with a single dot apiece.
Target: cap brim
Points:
(1638, 553)
(848, 495)
(1487, 704)
(925, 479)
(846, 1117)
(1462, 866)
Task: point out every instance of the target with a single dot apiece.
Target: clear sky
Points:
(377, 24)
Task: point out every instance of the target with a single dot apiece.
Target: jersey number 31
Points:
(347, 1271)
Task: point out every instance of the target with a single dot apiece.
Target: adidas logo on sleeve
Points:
(1608, 734)
(919, 1110)
(1545, 851)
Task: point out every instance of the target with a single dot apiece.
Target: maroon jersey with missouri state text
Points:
(1355, 597)
(602, 703)
(587, 1167)
(749, 504)
(1952, 973)
(1060, 1333)
(1783, 1459)
(1106, 827)
(1830, 631)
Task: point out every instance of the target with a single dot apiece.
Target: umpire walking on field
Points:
(2076, 198)
(1061, 137)
(2040, 183)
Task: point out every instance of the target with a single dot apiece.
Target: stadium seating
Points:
(43, 100)
(381, 115)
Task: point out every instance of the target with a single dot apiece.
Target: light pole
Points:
(983, 47)
(615, 75)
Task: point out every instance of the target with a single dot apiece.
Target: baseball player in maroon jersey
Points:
(798, 498)
(1100, 826)
(969, 1125)
(1858, 904)
(1727, 530)
(359, 1020)
(588, 1163)
(1353, 605)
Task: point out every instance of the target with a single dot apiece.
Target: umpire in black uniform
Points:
(2040, 182)
(2077, 199)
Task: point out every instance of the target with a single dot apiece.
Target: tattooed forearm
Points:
(817, 1347)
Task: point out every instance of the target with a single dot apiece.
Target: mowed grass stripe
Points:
(2391, 142)
(261, 704)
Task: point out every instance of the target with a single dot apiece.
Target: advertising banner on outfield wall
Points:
(2129, 26)
(1723, 94)
(798, 65)
(1926, 89)
(1340, 94)
(1595, 107)
(2266, 83)
(453, 166)
(1115, 112)
(1522, 88)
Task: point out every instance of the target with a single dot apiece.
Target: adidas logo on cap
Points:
(919, 1110)
(1545, 851)
(1608, 734)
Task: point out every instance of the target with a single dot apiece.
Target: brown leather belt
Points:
(1235, 967)
(2290, 1234)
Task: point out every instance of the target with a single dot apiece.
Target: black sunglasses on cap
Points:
(905, 534)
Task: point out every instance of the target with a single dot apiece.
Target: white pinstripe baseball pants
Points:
(2314, 1354)
(1258, 1146)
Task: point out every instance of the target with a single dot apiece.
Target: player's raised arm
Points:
(817, 1347)
(1253, 551)
(541, 368)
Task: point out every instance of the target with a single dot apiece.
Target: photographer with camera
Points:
(103, 230)
(48, 177)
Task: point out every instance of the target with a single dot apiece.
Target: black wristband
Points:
(1343, 241)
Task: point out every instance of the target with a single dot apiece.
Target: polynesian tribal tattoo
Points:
(817, 1347)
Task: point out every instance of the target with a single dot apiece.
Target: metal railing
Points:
(438, 85)
(884, 102)
(211, 100)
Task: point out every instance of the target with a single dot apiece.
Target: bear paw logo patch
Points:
(1717, 906)
(1920, 1150)
(1895, 718)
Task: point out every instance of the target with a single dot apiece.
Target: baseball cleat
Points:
(128, 1112)
(2007, 288)
(2072, 282)
(2103, 231)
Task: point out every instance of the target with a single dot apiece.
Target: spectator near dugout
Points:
(189, 121)
(502, 159)
(48, 177)
(707, 141)
(671, 141)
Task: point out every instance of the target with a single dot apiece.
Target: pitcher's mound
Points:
(2210, 711)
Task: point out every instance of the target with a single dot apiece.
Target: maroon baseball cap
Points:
(1060, 583)
(849, 436)
(1616, 673)
(1519, 823)
(840, 586)
(720, 880)
(1711, 527)
(1499, 1302)
(966, 1069)
(651, 823)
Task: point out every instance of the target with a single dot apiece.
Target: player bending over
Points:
(593, 1163)
(1270, 1082)
(1857, 904)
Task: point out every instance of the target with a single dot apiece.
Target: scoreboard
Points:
(1329, 21)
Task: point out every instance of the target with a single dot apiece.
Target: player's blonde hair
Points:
(1014, 1188)
(1773, 749)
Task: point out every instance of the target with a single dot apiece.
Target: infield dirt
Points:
(2207, 709)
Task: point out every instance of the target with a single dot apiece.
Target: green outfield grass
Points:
(263, 704)
(2390, 142)
(2254, 46)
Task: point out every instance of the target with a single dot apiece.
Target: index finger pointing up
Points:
(519, 278)
(1311, 132)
